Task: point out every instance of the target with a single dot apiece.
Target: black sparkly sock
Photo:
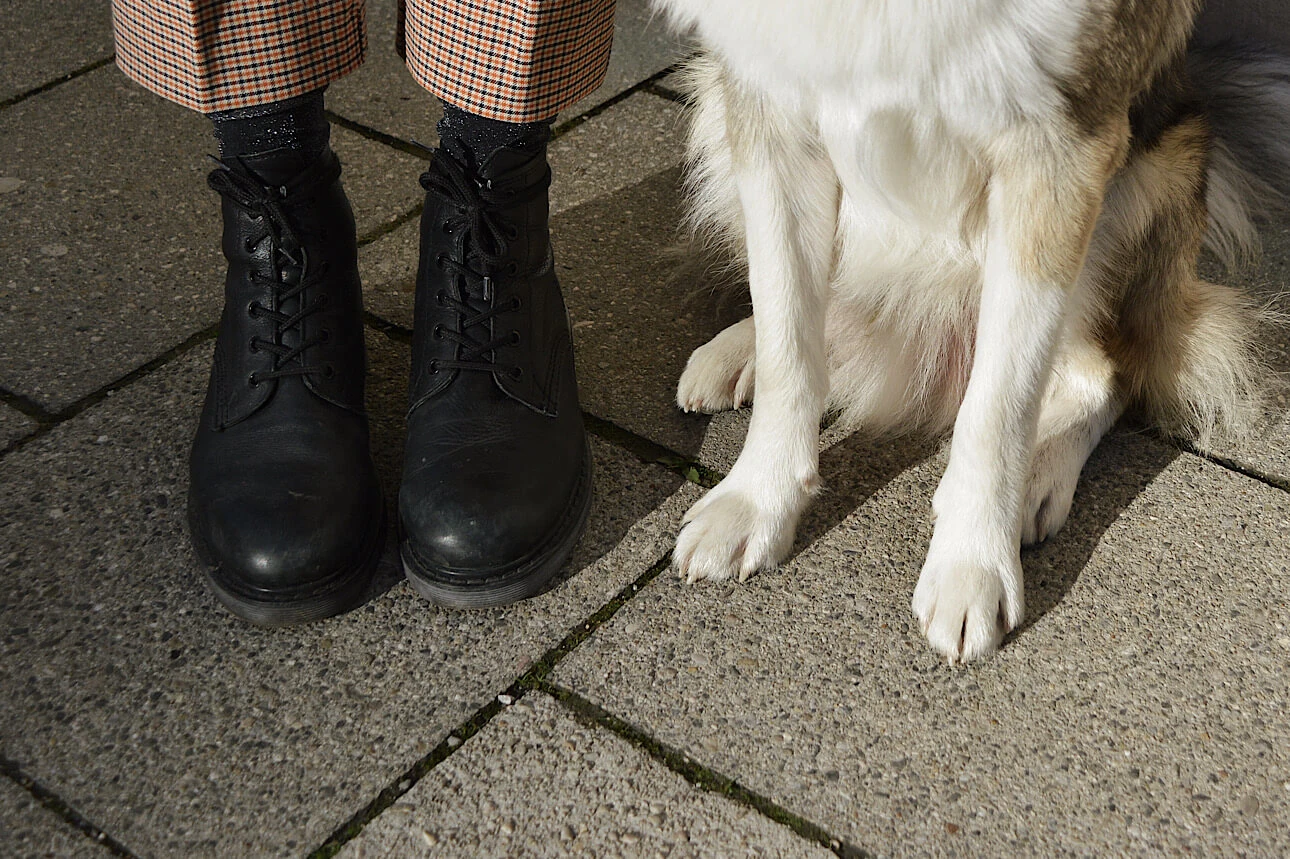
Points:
(294, 124)
(483, 136)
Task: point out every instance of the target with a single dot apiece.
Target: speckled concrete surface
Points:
(41, 41)
(30, 831)
(537, 783)
(136, 698)
(636, 321)
(1141, 708)
(382, 94)
(643, 47)
(13, 425)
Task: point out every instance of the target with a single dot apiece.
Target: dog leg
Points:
(720, 373)
(789, 196)
(1081, 405)
(1045, 194)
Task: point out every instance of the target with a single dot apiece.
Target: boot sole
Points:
(336, 594)
(506, 586)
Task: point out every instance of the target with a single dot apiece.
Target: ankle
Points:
(295, 129)
(480, 136)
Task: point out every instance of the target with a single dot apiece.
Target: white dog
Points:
(978, 214)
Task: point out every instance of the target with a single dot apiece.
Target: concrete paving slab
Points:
(42, 41)
(535, 782)
(643, 47)
(29, 830)
(182, 731)
(13, 425)
(113, 254)
(382, 94)
(1140, 710)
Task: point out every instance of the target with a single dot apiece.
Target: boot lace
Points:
(473, 205)
(288, 276)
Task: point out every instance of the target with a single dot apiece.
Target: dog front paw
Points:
(966, 605)
(720, 373)
(731, 533)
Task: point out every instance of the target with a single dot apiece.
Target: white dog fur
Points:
(949, 220)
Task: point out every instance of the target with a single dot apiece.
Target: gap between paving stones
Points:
(58, 81)
(535, 679)
(49, 420)
(529, 680)
(594, 716)
(55, 804)
(1273, 481)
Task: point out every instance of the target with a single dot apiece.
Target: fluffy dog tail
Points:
(1211, 157)
(1245, 92)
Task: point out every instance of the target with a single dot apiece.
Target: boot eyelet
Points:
(324, 336)
(253, 381)
(512, 268)
(329, 371)
(437, 332)
(516, 304)
(249, 246)
(516, 373)
(434, 368)
(253, 310)
(446, 228)
(255, 346)
(439, 297)
(439, 260)
(515, 338)
(512, 232)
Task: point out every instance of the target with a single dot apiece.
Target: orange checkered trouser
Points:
(514, 60)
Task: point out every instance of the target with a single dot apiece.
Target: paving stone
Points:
(1140, 710)
(182, 731)
(382, 94)
(643, 47)
(13, 425)
(112, 254)
(535, 782)
(29, 830)
(634, 323)
(42, 41)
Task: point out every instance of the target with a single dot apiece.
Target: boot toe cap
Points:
(284, 540)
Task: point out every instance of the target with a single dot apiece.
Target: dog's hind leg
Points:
(1046, 191)
(1081, 404)
(789, 194)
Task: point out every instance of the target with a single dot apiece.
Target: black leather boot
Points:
(283, 501)
(497, 475)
